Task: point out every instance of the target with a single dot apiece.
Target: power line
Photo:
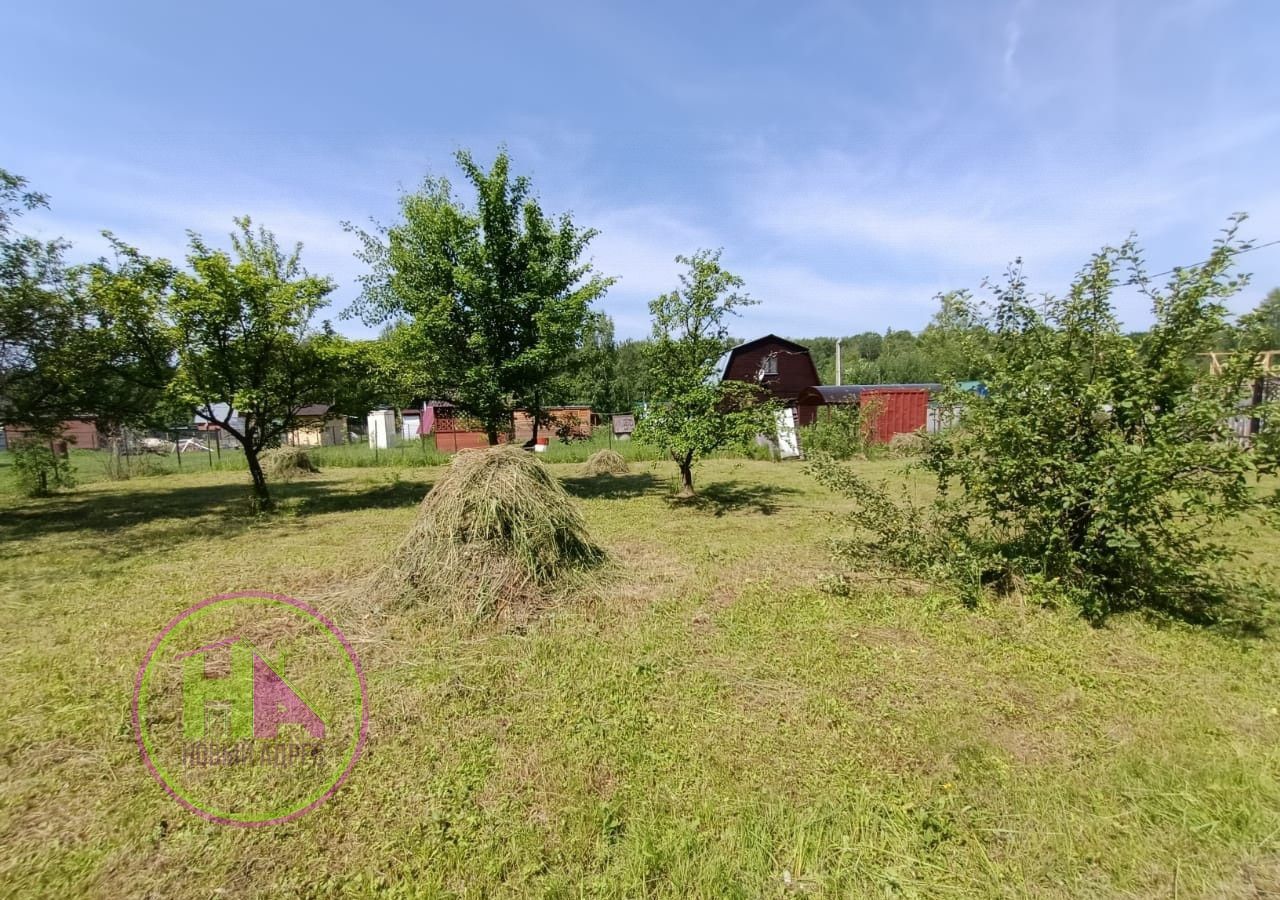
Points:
(1203, 261)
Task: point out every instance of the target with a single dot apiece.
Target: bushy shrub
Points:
(1098, 464)
(837, 433)
(39, 471)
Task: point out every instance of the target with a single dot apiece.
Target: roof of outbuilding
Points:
(722, 364)
(849, 393)
(315, 409)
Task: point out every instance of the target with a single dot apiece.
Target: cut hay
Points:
(283, 463)
(497, 537)
(908, 443)
(606, 462)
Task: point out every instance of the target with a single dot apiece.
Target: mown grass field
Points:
(705, 722)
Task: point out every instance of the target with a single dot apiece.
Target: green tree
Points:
(242, 330)
(76, 341)
(1265, 319)
(495, 299)
(691, 411)
(631, 375)
(362, 374)
(124, 353)
(1098, 465)
(38, 314)
(591, 374)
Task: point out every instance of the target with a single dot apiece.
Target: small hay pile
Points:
(495, 538)
(907, 444)
(283, 463)
(606, 462)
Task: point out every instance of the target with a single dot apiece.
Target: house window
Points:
(769, 366)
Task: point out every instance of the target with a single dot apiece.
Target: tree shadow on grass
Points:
(610, 487)
(116, 520)
(722, 497)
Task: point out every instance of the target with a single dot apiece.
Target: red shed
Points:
(902, 408)
(782, 367)
(81, 434)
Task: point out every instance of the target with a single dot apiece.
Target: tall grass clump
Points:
(606, 462)
(496, 538)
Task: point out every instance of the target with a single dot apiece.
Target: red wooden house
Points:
(781, 367)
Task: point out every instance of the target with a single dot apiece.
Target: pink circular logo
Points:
(250, 709)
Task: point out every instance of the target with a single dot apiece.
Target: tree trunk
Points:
(493, 436)
(261, 496)
(686, 477)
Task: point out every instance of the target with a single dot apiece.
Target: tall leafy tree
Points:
(591, 373)
(125, 352)
(691, 411)
(1265, 320)
(38, 315)
(494, 297)
(631, 374)
(362, 374)
(241, 325)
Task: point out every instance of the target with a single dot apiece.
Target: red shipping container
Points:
(901, 410)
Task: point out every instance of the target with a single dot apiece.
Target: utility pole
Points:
(838, 362)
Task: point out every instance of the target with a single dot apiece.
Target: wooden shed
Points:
(317, 425)
(899, 408)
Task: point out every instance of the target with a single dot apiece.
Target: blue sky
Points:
(853, 159)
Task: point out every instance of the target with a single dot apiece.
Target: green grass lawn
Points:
(704, 722)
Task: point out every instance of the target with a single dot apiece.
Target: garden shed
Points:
(898, 408)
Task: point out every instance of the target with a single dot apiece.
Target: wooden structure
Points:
(1269, 359)
(897, 408)
(1265, 389)
(572, 422)
(82, 434)
(782, 368)
(317, 425)
(452, 429)
(623, 425)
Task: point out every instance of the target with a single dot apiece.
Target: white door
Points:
(788, 440)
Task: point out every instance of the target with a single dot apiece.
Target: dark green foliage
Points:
(37, 317)
(1097, 465)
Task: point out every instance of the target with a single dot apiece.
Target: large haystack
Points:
(495, 538)
(283, 463)
(606, 462)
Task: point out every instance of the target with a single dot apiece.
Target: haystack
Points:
(496, 537)
(283, 463)
(907, 443)
(606, 462)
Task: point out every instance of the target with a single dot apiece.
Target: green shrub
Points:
(838, 433)
(1099, 465)
(38, 471)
